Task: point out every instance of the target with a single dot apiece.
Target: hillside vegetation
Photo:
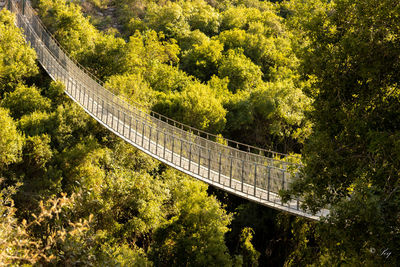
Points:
(311, 77)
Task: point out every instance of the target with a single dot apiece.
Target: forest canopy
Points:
(311, 77)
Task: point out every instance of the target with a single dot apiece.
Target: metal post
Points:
(130, 127)
(158, 132)
(136, 131)
(107, 112)
(209, 163)
(102, 109)
(55, 71)
(95, 92)
(165, 137)
(80, 89)
(150, 136)
(283, 179)
(59, 68)
(42, 51)
(230, 174)
(93, 103)
(118, 121)
(173, 146)
(180, 155)
(52, 66)
(66, 80)
(83, 94)
(86, 96)
(44, 59)
(97, 107)
(73, 85)
(112, 117)
(190, 155)
(219, 168)
(198, 165)
(123, 126)
(142, 133)
(242, 174)
(255, 178)
(67, 85)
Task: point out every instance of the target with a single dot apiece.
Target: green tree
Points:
(36, 123)
(68, 25)
(131, 87)
(246, 14)
(238, 17)
(25, 100)
(36, 172)
(169, 19)
(145, 50)
(17, 59)
(194, 234)
(55, 92)
(192, 38)
(196, 106)
(131, 195)
(131, 12)
(273, 53)
(107, 56)
(243, 74)
(70, 125)
(129, 205)
(201, 16)
(167, 78)
(352, 157)
(11, 140)
(202, 60)
(246, 249)
(272, 115)
(37, 153)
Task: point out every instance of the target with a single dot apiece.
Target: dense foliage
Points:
(352, 157)
(74, 194)
(302, 76)
(191, 57)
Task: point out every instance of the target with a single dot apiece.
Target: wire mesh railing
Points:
(255, 174)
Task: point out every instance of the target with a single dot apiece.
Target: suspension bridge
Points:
(249, 172)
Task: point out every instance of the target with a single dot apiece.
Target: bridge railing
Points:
(247, 174)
